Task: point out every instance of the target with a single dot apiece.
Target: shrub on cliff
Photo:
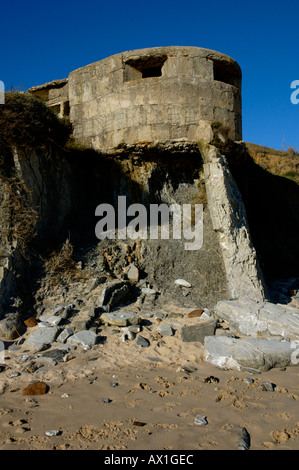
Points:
(28, 124)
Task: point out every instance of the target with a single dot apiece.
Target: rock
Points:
(46, 335)
(195, 313)
(249, 380)
(55, 354)
(255, 318)
(127, 335)
(142, 342)
(52, 320)
(198, 332)
(182, 282)
(266, 386)
(247, 354)
(165, 330)
(243, 442)
(30, 322)
(120, 318)
(113, 295)
(106, 400)
(64, 335)
(53, 432)
(133, 273)
(200, 420)
(148, 291)
(11, 327)
(36, 388)
(84, 338)
(45, 361)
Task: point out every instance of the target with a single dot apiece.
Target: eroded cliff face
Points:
(65, 192)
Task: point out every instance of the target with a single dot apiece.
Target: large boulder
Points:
(249, 354)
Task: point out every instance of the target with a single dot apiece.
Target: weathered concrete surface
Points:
(252, 318)
(229, 220)
(155, 94)
(249, 354)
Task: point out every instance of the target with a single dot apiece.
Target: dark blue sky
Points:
(43, 41)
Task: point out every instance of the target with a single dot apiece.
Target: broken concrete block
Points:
(199, 331)
(248, 354)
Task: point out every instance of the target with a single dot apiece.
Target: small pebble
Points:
(106, 400)
(266, 386)
(65, 395)
(243, 442)
(200, 420)
(53, 432)
(14, 374)
(248, 380)
(114, 384)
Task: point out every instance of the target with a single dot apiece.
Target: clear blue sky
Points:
(42, 41)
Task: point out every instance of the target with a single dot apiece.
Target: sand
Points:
(155, 395)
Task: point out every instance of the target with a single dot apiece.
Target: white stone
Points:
(182, 282)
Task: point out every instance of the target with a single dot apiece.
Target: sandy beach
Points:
(116, 396)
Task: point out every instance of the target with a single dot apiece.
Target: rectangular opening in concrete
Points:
(152, 72)
(144, 67)
(226, 73)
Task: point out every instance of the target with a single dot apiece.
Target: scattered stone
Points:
(175, 315)
(133, 273)
(138, 423)
(55, 354)
(211, 379)
(188, 369)
(113, 295)
(13, 374)
(200, 420)
(11, 327)
(45, 335)
(114, 384)
(195, 313)
(52, 320)
(30, 322)
(64, 335)
(36, 388)
(182, 282)
(53, 432)
(165, 330)
(84, 338)
(46, 361)
(127, 335)
(120, 319)
(148, 291)
(106, 400)
(142, 342)
(243, 442)
(24, 358)
(249, 380)
(266, 386)
(198, 332)
(65, 395)
(134, 328)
